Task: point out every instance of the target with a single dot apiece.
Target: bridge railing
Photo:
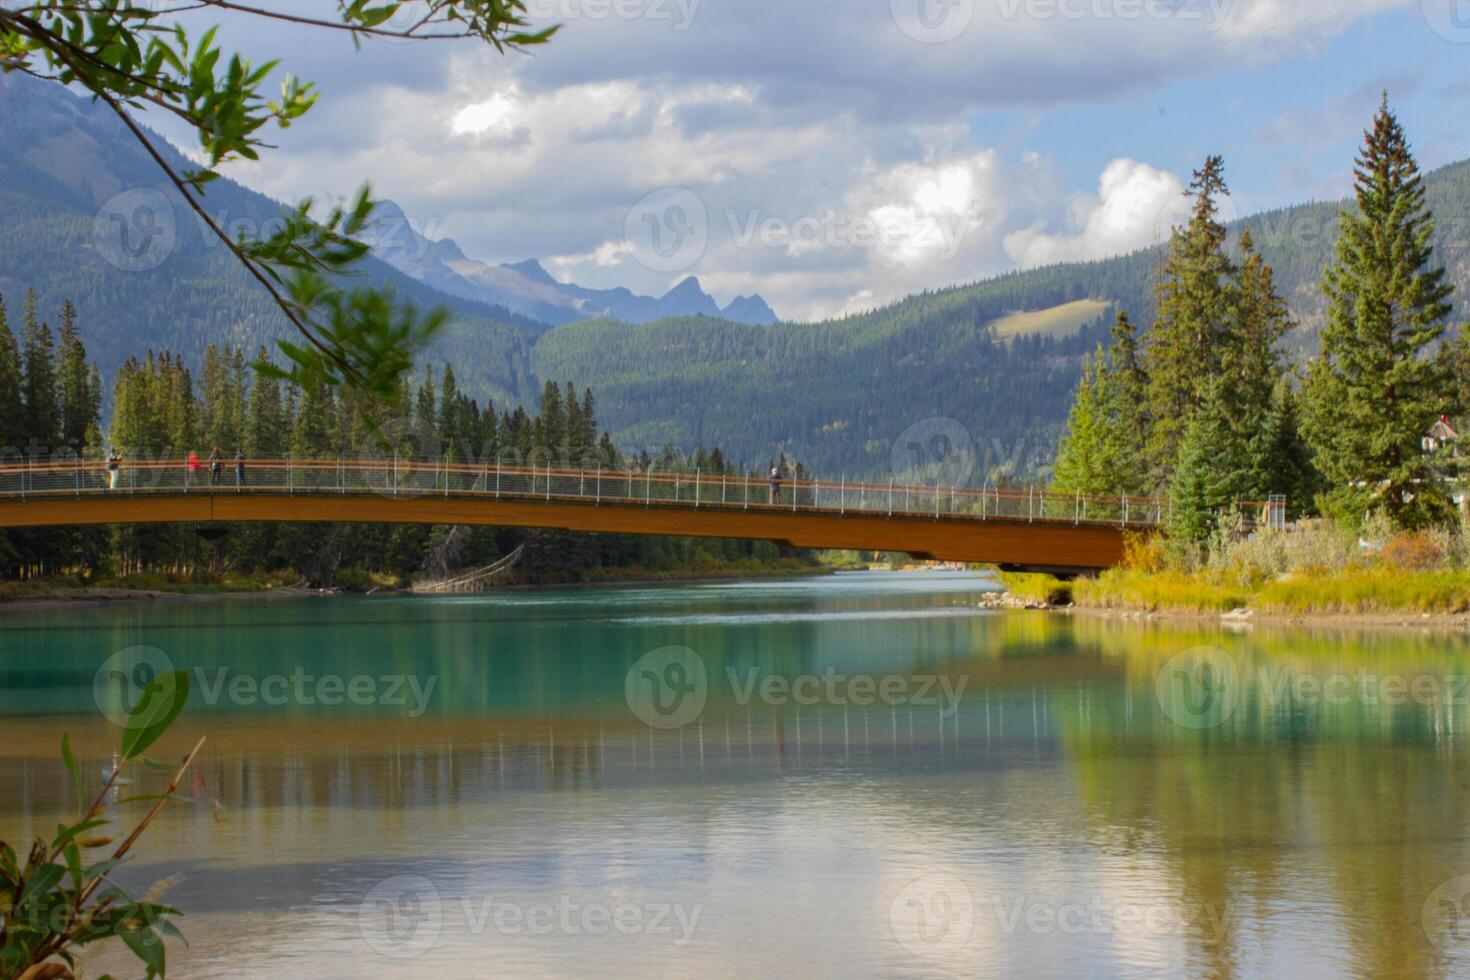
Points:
(403, 477)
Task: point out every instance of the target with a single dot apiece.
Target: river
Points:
(862, 774)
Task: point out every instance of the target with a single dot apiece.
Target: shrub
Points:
(1041, 590)
(1418, 551)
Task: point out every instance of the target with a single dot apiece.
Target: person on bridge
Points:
(239, 469)
(775, 485)
(216, 466)
(191, 469)
(114, 468)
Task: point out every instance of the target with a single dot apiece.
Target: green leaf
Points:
(73, 770)
(148, 947)
(46, 877)
(162, 701)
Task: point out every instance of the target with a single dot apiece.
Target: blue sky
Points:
(1247, 113)
(837, 154)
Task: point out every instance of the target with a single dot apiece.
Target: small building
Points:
(1441, 433)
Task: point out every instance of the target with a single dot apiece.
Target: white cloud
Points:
(1130, 210)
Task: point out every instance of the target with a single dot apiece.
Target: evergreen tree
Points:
(1201, 480)
(1091, 458)
(550, 428)
(1280, 456)
(12, 376)
(1252, 365)
(1374, 390)
(265, 432)
(1130, 420)
(42, 406)
(1193, 328)
(448, 423)
(78, 402)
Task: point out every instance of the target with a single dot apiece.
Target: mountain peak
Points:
(689, 286)
(750, 309)
(533, 270)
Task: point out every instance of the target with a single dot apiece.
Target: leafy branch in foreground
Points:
(59, 900)
(134, 54)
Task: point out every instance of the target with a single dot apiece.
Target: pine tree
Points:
(265, 432)
(450, 430)
(12, 377)
(1130, 421)
(1201, 480)
(550, 428)
(1280, 456)
(1090, 458)
(1252, 365)
(1374, 390)
(1192, 331)
(78, 403)
(42, 406)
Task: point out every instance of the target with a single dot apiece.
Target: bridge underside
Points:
(1013, 544)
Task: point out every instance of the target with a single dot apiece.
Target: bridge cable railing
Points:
(404, 477)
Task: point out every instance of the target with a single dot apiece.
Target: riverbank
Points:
(1369, 596)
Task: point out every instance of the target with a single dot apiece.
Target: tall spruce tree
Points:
(1193, 329)
(1130, 417)
(266, 428)
(1251, 366)
(78, 402)
(1374, 390)
(1202, 481)
(42, 405)
(12, 377)
(1092, 458)
(1279, 458)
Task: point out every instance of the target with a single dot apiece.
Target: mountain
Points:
(993, 362)
(528, 289)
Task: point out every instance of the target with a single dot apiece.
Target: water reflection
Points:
(1030, 794)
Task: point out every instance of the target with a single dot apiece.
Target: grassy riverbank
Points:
(1314, 569)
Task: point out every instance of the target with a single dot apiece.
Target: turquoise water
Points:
(861, 774)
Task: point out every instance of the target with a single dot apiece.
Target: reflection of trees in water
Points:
(1291, 803)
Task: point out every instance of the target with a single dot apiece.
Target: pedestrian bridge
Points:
(1027, 529)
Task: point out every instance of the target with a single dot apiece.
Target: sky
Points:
(836, 155)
